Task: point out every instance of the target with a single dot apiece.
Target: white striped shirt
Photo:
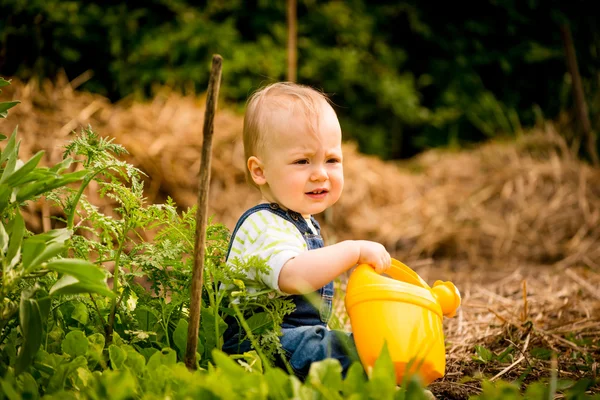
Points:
(271, 238)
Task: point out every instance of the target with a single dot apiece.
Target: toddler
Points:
(293, 151)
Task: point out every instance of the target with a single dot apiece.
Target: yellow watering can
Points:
(404, 312)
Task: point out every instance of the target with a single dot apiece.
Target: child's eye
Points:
(301, 162)
(334, 160)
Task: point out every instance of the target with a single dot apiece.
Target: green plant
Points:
(33, 270)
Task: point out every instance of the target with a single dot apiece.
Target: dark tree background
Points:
(405, 75)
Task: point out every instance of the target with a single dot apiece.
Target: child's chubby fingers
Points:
(385, 263)
(376, 255)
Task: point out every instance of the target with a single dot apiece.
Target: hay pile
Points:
(484, 218)
(531, 201)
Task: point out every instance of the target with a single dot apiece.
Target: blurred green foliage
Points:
(404, 75)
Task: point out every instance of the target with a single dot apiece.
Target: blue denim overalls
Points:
(305, 338)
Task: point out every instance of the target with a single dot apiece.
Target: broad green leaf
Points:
(50, 251)
(5, 106)
(33, 312)
(135, 362)
(260, 322)
(28, 385)
(120, 385)
(382, 383)
(279, 384)
(80, 313)
(5, 194)
(16, 239)
(75, 344)
(3, 239)
(61, 165)
(180, 337)
(117, 357)
(232, 369)
(326, 376)
(22, 172)
(11, 164)
(9, 148)
(9, 390)
(166, 357)
(147, 352)
(96, 343)
(83, 270)
(4, 82)
(355, 381)
(42, 247)
(63, 372)
(70, 285)
(39, 187)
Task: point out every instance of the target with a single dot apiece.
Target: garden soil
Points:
(515, 225)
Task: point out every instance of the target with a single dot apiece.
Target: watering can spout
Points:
(448, 297)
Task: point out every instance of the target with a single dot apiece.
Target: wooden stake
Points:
(292, 34)
(212, 96)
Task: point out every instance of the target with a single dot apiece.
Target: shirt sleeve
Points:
(270, 238)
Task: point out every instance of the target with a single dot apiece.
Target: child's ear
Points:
(257, 172)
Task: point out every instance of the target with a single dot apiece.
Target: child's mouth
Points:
(317, 194)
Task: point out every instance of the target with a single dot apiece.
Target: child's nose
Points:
(319, 173)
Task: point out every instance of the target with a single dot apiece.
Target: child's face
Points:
(300, 169)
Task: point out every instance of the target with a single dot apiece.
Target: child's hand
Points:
(375, 255)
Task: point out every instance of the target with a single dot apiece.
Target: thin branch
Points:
(201, 213)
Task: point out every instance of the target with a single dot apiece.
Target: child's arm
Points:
(313, 269)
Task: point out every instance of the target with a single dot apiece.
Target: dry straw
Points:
(514, 225)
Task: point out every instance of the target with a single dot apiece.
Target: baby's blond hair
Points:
(283, 95)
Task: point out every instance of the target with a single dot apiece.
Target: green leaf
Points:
(62, 372)
(9, 148)
(4, 242)
(279, 384)
(135, 362)
(28, 385)
(70, 285)
(80, 313)
(383, 377)
(33, 313)
(42, 247)
(11, 163)
(180, 337)
(117, 357)
(22, 172)
(13, 253)
(260, 322)
(166, 357)
(232, 369)
(83, 270)
(541, 353)
(483, 355)
(75, 344)
(5, 106)
(33, 189)
(9, 390)
(4, 82)
(326, 376)
(5, 194)
(95, 346)
(355, 382)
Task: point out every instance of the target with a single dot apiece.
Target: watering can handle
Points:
(401, 272)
